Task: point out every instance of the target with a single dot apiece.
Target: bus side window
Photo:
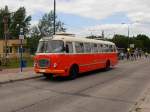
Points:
(87, 47)
(79, 47)
(115, 48)
(109, 48)
(100, 47)
(104, 48)
(69, 47)
(94, 48)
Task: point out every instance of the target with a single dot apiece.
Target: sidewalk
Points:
(10, 75)
(144, 105)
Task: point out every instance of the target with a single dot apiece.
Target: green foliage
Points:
(3, 14)
(140, 41)
(16, 20)
(145, 41)
(32, 44)
(19, 20)
(1, 24)
(94, 37)
(15, 62)
(121, 41)
(46, 27)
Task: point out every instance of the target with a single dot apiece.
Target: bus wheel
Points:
(107, 65)
(48, 76)
(73, 72)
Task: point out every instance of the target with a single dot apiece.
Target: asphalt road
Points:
(116, 90)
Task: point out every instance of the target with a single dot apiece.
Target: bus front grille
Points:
(44, 63)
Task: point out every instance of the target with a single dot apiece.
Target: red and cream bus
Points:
(67, 55)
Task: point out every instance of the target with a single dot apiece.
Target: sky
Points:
(86, 17)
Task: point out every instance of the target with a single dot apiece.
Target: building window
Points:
(8, 50)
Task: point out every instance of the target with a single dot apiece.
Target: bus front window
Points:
(53, 46)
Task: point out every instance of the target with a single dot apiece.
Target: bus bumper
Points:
(54, 72)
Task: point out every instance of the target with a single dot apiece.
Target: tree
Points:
(144, 40)
(32, 44)
(46, 27)
(19, 20)
(33, 38)
(16, 20)
(91, 37)
(121, 41)
(34, 31)
(140, 41)
(4, 14)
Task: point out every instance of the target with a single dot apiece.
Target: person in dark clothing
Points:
(128, 55)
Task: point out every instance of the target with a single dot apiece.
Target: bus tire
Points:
(73, 72)
(107, 67)
(48, 76)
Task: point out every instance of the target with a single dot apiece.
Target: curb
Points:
(141, 99)
(17, 80)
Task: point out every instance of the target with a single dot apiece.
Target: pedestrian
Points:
(132, 56)
(135, 55)
(146, 55)
(128, 55)
(122, 55)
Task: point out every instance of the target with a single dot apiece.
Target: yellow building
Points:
(13, 47)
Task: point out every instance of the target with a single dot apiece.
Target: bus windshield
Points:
(53, 46)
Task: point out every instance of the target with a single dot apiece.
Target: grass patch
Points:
(15, 62)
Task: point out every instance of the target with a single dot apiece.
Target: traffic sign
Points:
(21, 37)
(131, 45)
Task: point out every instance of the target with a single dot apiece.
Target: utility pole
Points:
(54, 17)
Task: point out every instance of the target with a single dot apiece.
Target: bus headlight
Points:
(55, 65)
(35, 64)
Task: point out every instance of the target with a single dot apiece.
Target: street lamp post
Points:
(54, 17)
(128, 33)
(21, 37)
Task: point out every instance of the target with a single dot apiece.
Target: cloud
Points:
(34, 23)
(88, 8)
(135, 10)
(111, 29)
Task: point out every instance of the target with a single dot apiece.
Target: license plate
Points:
(42, 71)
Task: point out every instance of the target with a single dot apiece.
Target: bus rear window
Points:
(53, 46)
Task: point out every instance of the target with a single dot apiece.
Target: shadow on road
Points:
(81, 75)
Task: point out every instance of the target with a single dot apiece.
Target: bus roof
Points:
(72, 38)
